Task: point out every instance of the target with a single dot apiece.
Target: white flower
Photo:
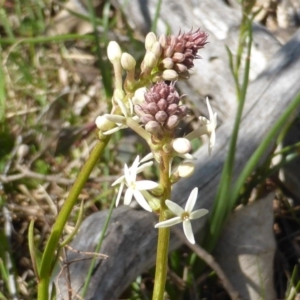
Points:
(208, 127)
(134, 187)
(211, 126)
(184, 215)
(120, 120)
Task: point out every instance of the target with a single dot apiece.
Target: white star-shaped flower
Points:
(120, 120)
(184, 215)
(134, 187)
(207, 127)
(210, 125)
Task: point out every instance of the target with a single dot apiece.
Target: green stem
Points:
(48, 259)
(163, 233)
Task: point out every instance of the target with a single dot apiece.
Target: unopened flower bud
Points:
(163, 40)
(156, 49)
(167, 63)
(150, 40)
(147, 118)
(139, 96)
(169, 75)
(153, 127)
(179, 47)
(139, 110)
(162, 104)
(172, 122)
(182, 145)
(172, 109)
(114, 51)
(161, 116)
(150, 60)
(178, 57)
(127, 61)
(152, 108)
(103, 124)
(180, 68)
(168, 52)
(186, 169)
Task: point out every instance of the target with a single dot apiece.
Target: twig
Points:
(210, 261)
(26, 173)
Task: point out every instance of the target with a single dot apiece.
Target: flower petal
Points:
(115, 129)
(119, 180)
(143, 185)
(188, 231)
(198, 213)
(174, 208)
(119, 193)
(169, 222)
(122, 106)
(210, 112)
(127, 174)
(191, 200)
(142, 167)
(133, 168)
(147, 157)
(128, 196)
(141, 200)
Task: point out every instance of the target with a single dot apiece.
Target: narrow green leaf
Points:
(2, 93)
(35, 254)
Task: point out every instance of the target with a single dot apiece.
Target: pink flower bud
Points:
(161, 116)
(147, 118)
(153, 127)
(180, 68)
(172, 122)
(162, 104)
(139, 110)
(178, 57)
(172, 109)
(152, 108)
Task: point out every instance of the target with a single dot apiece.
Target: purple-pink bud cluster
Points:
(161, 109)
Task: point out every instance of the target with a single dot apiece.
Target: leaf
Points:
(36, 255)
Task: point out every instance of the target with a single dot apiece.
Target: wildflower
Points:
(161, 109)
(184, 215)
(211, 126)
(134, 187)
(182, 50)
(207, 127)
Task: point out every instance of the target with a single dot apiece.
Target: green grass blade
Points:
(253, 161)
(156, 16)
(98, 247)
(2, 93)
(35, 254)
(103, 65)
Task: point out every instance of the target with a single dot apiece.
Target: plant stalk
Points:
(163, 233)
(48, 259)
